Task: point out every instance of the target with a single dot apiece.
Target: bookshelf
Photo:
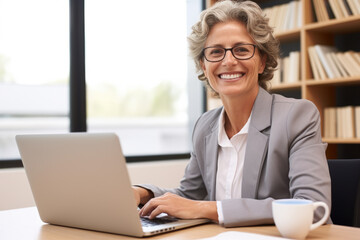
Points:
(342, 33)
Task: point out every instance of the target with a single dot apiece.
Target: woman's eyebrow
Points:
(234, 45)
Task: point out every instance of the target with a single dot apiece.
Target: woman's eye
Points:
(241, 50)
(216, 51)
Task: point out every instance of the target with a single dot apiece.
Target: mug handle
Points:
(324, 218)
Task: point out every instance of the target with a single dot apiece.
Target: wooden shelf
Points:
(338, 26)
(334, 81)
(288, 35)
(342, 140)
(286, 86)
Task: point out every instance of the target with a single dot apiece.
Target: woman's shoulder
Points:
(294, 111)
(293, 103)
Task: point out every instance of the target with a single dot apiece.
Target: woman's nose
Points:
(229, 58)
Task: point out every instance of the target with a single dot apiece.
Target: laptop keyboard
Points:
(146, 222)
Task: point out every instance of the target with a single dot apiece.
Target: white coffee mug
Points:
(294, 217)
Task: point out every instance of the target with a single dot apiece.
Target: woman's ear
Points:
(263, 64)
(202, 64)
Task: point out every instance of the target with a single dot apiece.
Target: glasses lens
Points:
(214, 54)
(243, 51)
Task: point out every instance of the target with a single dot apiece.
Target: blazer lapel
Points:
(257, 144)
(211, 150)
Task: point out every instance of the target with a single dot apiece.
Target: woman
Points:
(257, 147)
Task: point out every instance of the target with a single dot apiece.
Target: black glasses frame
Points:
(231, 50)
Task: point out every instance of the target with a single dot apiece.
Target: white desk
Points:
(25, 224)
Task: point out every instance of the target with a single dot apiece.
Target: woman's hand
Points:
(142, 195)
(179, 207)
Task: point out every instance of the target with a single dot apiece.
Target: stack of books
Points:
(342, 122)
(335, 9)
(288, 69)
(327, 62)
(285, 17)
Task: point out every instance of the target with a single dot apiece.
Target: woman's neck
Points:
(237, 112)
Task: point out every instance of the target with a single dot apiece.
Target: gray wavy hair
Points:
(256, 24)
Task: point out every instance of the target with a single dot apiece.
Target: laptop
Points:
(81, 180)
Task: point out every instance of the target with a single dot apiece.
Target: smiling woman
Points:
(258, 146)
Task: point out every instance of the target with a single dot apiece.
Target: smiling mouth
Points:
(231, 76)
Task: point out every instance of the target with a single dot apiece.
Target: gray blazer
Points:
(284, 158)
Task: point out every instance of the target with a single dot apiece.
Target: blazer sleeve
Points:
(300, 169)
(309, 171)
(192, 184)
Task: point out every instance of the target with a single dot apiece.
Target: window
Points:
(136, 73)
(34, 69)
(139, 78)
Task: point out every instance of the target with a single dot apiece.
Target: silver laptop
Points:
(81, 180)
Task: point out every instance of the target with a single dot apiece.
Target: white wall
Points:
(165, 174)
(15, 190)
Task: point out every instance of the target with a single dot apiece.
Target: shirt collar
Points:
(223, 139)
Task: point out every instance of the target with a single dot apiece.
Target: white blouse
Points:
(230, 164)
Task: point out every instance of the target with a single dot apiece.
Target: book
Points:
(285, 69)
(345, 121)
(276, 80)
(353, 62)
(346, 63)
(322, 51)
(281, 20)
(329, 10)
(315, 71)
(352, 5)
(357, 121)
(326, 121)
(339, 122)
(343, 8)
(349, 122)
(241, 235)
(335, 70)
(299, 14)
(330, 122)
(356, 57)
(347, 7)
(294, 67)
(339, 65)
(273, 14)
(319, 7)
(316, 10)
(319, 66)
(357, 6)
(283, 17)
(291, 16)
(335, 7)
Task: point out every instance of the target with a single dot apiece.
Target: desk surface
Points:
(25, 224)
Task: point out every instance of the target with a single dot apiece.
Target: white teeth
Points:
(230, 76)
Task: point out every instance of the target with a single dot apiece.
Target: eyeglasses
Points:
(241, 52)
